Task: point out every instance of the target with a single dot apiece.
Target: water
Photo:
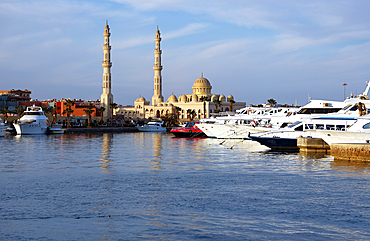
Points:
(148, 186)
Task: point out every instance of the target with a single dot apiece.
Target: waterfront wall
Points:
(100, 130)
(351, 152)
(308, 144)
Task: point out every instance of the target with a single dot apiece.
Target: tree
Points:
(101, 110)
(5, 111)
(272, 102)
(204, 99)
(217, 103)
(55, 114)
(232, 102)
(112, 106)
(89, 111)
(20, 111)
(178, 110)
(191, 113)
(69, 110)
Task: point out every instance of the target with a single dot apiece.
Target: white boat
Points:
(152, 126)
(248, 120)
(359, 132)
(3, 128)
(56, 129)
(286, 138)
(33, 121)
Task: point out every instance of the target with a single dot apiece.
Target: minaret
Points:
(106, 98)
(157, 97)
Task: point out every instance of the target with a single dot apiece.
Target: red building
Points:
(79, 107)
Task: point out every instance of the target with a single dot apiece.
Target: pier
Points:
(100, 130)
(312, 145)
(351, 152)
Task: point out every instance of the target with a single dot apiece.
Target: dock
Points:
(312, 145)
(351, 152)
(100, 130)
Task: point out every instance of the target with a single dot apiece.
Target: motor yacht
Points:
(152, 126)
(359, 132)
(32, 122)
(286, 138)
(189, 130)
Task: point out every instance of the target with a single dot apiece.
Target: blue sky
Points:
(255, 50)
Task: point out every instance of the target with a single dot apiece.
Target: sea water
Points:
(151, 186)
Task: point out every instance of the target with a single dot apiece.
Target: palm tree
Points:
(5, 111)
(191, 113)
(112, 106)
(55, 114)
(217, 104)
(68, 110)
(178, 110)
(101, 110)
(89, 111)
(272, 102)
(20, 111)
(204, 99)
(232, 102)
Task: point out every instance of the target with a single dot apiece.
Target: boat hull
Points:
(30, 129)
(188, 133)
(278, 143)
(151, 129)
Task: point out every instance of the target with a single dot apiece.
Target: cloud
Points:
(190, 29)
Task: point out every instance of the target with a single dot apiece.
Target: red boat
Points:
(190, 130)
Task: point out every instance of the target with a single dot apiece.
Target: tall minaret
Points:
(157, 97)
(106, 98)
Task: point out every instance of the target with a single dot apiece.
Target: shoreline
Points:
(100, 130)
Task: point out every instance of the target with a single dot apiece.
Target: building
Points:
(106, 97)
(201, 101)
(78, 108)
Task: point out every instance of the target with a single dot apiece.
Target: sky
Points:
(288, 50)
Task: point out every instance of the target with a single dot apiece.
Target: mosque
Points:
(201, 102)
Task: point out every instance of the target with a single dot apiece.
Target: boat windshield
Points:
(318, 110)
(189, 124)
(294, 124)
(33, 113)
(366, 126)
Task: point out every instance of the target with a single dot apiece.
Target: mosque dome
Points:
(230, 97)
(182, 98)
(214, 97)
(202, 86)
(222, 98)
(141, 99)
(194, 98)
(172, 98)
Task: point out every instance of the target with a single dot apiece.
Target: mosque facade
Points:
(202, 102)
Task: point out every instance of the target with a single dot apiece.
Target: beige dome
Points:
(213, 97)
(230, 97)
(182, 98)
(141, 99)
(172, 98)
(194, 98)
(202, 82)
(222, 98)
(202, 86)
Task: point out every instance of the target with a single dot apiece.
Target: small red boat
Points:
(190, 130)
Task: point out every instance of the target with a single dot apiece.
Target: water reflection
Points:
(157, 154)
(351, 167)
(106, 151)
(313, 155)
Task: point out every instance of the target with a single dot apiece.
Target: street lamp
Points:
(344, 87)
